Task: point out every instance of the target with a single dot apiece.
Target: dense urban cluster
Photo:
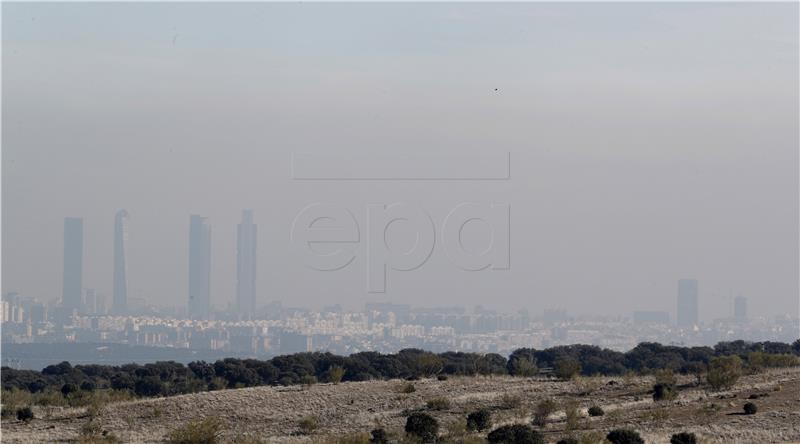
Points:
(170, 378)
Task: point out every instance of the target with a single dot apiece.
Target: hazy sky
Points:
(648, 142)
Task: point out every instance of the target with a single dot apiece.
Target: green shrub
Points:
(378, 436)
(543, 410)
(440, 403)
(663, 392)
(522, 366)
(624, 436)
(724, 371)
(335, 374)
(422, 426)
(567, 368)
(88, 386)
(479, 420)
(750, 409)
(683, 438)
(68, 388)
(515, 434)
(25, 414)
(596, 411)
(204, 431)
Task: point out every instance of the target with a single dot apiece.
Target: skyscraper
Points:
(740, 308)
(72, 290)
(199, 267)
(246, 235)
(687, 303)
(120, 263)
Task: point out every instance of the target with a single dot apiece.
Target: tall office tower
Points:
(687, 303)
(740, 308)
(246, 235)
(72, 296)
(199, 267)
(120, 263)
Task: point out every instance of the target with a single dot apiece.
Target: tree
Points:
(423, 426)
(724, 371)
(515, 434)
(624, 436)
(479, 420)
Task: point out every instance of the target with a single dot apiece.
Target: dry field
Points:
(271, 414)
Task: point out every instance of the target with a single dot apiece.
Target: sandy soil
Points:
(272, 414)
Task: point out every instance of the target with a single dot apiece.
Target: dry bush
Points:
(594, 437)
(656, 416)
(587, 385)
(439, 403)
(456, 431)
(665, 376)
(406, 388)
(92, 433)
(510, 401)
(573, 416)
(542, 411)
(204, 431)
(707, 410)
(308, 424)
(724, 371)
(335, 374)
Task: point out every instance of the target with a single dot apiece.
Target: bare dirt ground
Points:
(271, 414)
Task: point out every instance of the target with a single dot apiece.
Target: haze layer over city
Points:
(614, 157)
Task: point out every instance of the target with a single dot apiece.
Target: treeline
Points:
(171, 378)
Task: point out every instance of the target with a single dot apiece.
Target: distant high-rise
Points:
(120, 306)
(199, 267)
(740, 308)
(72, 290)
(687, 303)
(246, 235)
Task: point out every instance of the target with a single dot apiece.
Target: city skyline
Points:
(637, 157)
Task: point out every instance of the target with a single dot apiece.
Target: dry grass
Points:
(346, 413)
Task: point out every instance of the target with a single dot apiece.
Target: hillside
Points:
(272, 414)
